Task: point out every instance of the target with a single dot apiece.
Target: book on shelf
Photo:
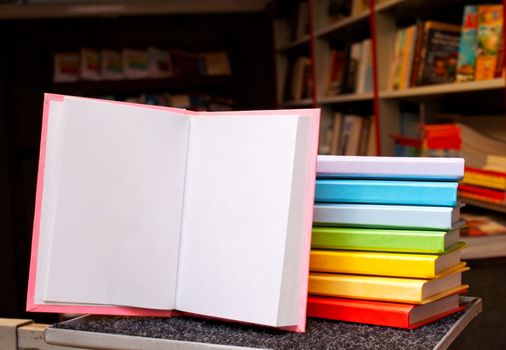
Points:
(186, 64)
(385, 263)
(482, 193)
(403, 58)
(365, 70)
(90, 64)
(352, 65)
(468, 44)
(394, 289)
(439, 53)
(135, 64)
(385, 240)
(337, 68)
(432, 193)
(483, 224)
(490, 23)
(66, 67)
(111, 65)
(159, 63)
(415, 168)
(126, 225)
(485, 178)
(381, 313)
(484, 233)
(495, 163)
(300, 79)
(216, 63)
(462, 140)
(386, 216)
(348, 135)
(499, 63)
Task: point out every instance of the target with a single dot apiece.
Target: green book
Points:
(385, 240)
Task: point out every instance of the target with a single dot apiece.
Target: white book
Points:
(142, 210)
(410, 168)
(388, 216)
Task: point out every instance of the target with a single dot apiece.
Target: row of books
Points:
(350, 69)
(348, 134)
(196, 102)
(300, 80)
(106, 64)
(385, 244)
(432, 52)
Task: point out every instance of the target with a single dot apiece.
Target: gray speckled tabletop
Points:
(320, 334)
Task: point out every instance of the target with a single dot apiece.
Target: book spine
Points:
(379, 240)
(468, 44)
(376, 313)
(386, 192)
(379, 264)
(489, 29)
(417, 55)
(366, 287)
(386, 216)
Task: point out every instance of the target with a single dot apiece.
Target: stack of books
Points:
(385, 245)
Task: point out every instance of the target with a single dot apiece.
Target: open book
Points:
(145, 210)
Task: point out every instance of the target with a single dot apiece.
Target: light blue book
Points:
(387, 216)
(431, 193)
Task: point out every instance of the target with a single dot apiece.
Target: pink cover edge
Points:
(314, 114)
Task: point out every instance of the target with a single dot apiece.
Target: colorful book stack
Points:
(385, 246)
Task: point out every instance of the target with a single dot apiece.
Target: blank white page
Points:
(51, 165)
(235, 219)
(118, 207)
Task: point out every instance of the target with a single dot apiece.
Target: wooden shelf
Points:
(360, 18)
(307, 102)
(144, 8)
(89, 88)
(485, 205)
(294, 44)
(346, 98)
(343, 23)
(453, 88)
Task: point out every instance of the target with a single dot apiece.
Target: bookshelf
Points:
(389, 15)
(386, 105)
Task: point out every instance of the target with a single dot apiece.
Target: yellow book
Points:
(402, 290)
(485, 179)
(386, 264)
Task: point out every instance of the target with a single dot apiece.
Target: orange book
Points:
(490, 21)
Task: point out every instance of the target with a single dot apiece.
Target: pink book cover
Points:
(32, 306)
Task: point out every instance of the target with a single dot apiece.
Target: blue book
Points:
(387, 216)
(433, 193)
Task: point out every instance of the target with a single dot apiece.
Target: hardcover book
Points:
(415, 168)
(386, 216)
(385, 240)
(142, 210)
(385, 264)
(395, 289)
(431, 193)
(490, 23)
(440, 53)
(382, 313)
(468, 44)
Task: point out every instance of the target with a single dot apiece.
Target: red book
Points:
(495, 195)
(379, 313)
